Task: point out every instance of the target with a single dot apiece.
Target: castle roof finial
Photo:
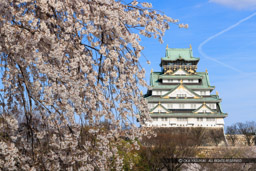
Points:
(167, 46)
(190, 46)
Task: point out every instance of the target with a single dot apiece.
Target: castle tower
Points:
(180, 96)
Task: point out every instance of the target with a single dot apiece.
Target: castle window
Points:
(169, 106)
(164, 119)
(203, 93)
(182, 106)
(182, 119)
(193, 106)
(158, 93)
(181, 95)
(200, 119)
(210, 119)
(211, 106)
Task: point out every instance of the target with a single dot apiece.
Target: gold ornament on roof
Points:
(151, 70)
(217, 93)
(190, 46)
(167, 46)
(191, 71)
(169, 71)
(206, 71)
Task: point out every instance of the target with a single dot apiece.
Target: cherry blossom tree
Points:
(66, 66)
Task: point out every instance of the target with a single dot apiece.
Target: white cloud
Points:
(237, 4)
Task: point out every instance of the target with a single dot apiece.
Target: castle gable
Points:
(181, 91)
(159, 109)
(204, 109)
(180, 72)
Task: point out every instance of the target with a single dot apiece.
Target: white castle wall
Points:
(178, 81)
(155, 92)
(201, 93)
(187, 122)
(185, 105)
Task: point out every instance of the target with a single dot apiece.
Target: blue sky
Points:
(234, 75)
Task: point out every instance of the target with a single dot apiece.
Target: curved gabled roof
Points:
(203, 106)
(180, 86)
(173, 54)
(156, 84)
(161, 106)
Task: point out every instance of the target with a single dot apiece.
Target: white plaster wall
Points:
(173, 121)
(191, 122)
(220, 121)
(181, 91)
(193, 81)
(186, 105)
(178, 81)
(207, 93)
(211, 105)
(165, 81)
(159, 123)
(154, 92)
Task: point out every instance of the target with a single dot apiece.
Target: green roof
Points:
(211, 98)
(173, 54)
(155, 84)
(195, 76)
(220, 108)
